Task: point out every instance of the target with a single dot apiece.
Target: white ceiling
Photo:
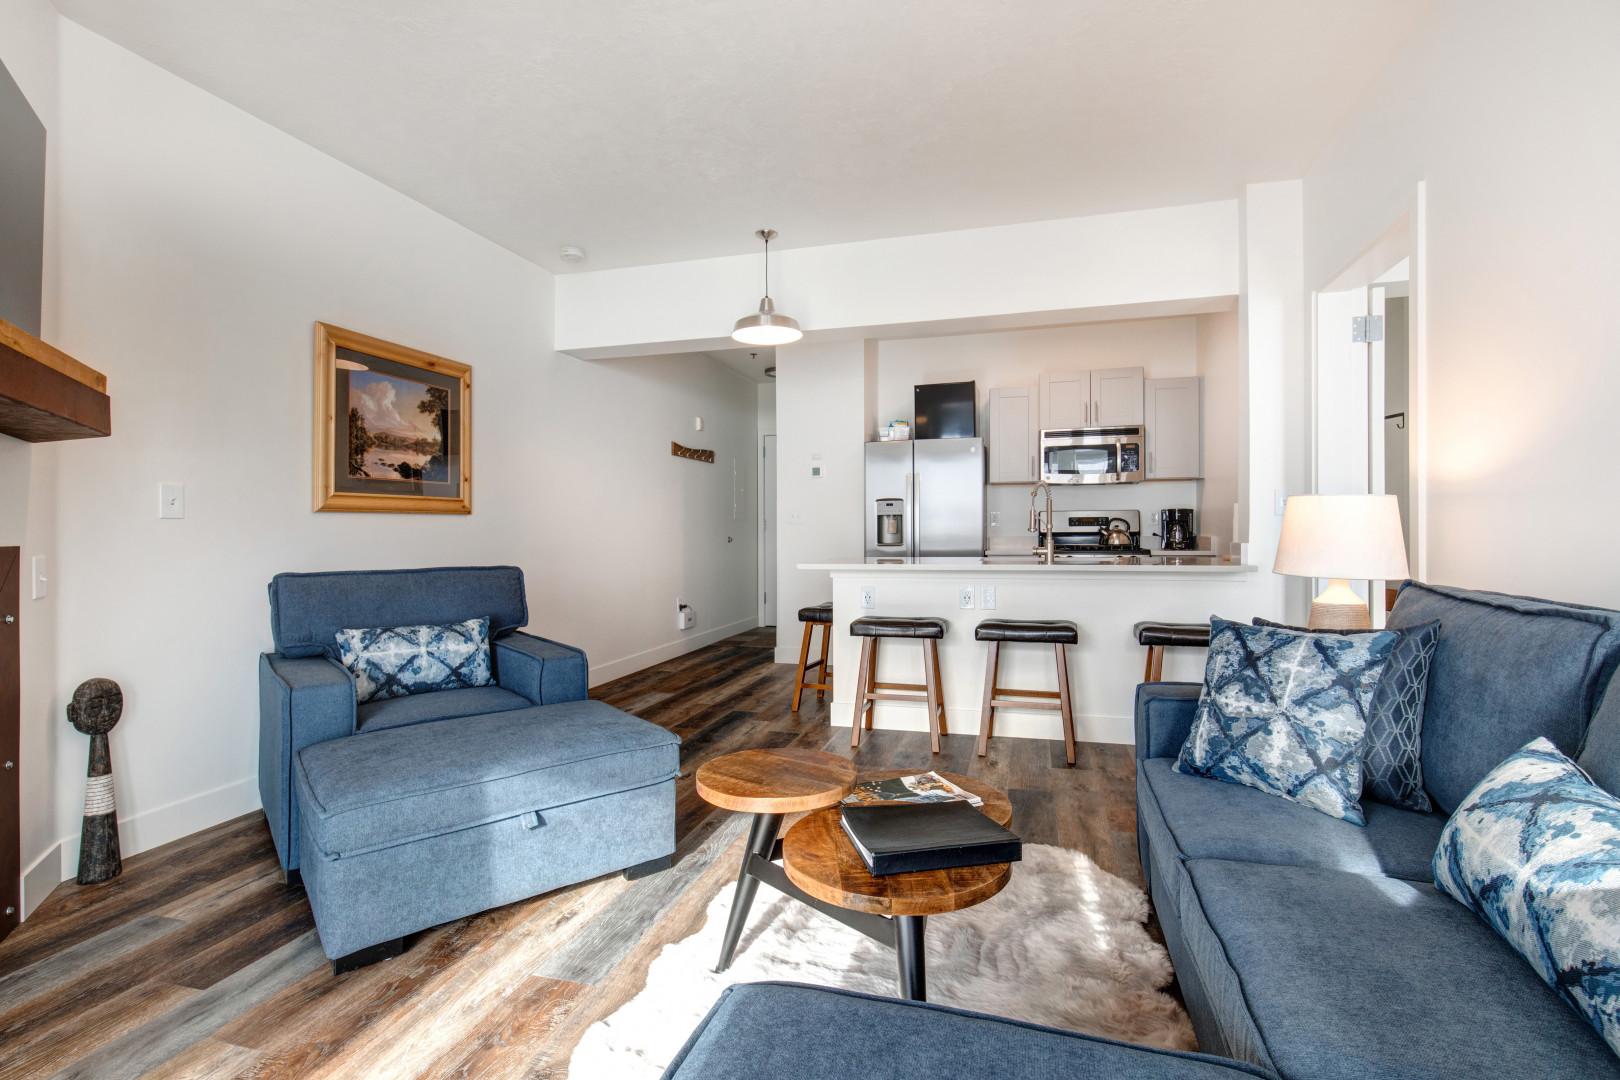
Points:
(659, 130)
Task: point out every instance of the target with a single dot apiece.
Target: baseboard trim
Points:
(39, 879)
(629, 665)
(171, 821)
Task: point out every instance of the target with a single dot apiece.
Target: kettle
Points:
(1117, 534)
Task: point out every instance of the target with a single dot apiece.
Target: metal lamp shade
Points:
(766, 327)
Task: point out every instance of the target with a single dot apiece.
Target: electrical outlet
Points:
(685, 617)
(868, 597)
(987, 597)
(964, 598)
(41, 576)
(995, 518)
(1280, 501)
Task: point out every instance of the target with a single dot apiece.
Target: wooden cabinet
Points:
(1106, 397)
(1014, 437)
(1175, 429)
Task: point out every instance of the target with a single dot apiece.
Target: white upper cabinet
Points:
(1065, 399)
(1116, 397)
(1175, 436)
(1014, 438)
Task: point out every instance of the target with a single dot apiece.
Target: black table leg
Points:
(908, 948)
(761, 841)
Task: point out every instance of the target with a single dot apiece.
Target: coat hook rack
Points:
(691, 453)
(1399, 418)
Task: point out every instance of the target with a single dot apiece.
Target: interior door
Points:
(767, 532)
(10, 726)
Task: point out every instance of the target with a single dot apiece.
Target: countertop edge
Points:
(977, 567)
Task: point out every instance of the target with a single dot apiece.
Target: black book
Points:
(902, 838)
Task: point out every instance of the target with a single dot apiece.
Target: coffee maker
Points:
(1176, 532)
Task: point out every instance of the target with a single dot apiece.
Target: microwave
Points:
(1101, 455)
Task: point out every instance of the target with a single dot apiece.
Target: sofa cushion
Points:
(1206, 819)
(786, 1030)
(1507, 669)
(1372, 978)
(1286, 712)
(390, 787)
(1600, 756)
(307, 610)
(439, 705)
(396, 661)
(1535, 851)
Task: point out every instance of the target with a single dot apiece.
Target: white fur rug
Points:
(1063, 944)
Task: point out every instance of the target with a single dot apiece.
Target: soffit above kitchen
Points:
(655, 132)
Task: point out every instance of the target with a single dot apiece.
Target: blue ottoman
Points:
(409, 827)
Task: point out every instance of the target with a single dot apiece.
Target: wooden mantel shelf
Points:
(45, 394)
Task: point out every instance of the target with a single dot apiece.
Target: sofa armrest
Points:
(1164, 716)
(302, 701)
(544, 671)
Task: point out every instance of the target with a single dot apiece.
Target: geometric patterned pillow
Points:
(1286, 713)
(1534, 850)
(394, 661)
(1392, 762)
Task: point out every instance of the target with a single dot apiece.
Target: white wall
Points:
(1506, 111)
(872, 288)
(197, 247)
(1221, 366)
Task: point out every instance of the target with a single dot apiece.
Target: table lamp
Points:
(1342, 537)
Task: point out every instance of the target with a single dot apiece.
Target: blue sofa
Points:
(1314, 948)
(403, 813)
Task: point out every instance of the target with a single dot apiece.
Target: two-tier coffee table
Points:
(820, 867)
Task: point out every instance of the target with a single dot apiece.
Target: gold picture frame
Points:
(393, 427)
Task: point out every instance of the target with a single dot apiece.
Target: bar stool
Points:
(1158, 636)
(868, 691)
(812, 617)
(1054, 632)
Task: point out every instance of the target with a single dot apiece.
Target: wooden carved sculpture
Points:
(96, 706)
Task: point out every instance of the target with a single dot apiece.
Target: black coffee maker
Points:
(1176, 532)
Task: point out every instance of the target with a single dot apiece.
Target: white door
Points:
(767, 532)
(1116, 397)
(1065, 399)
(1013, 445)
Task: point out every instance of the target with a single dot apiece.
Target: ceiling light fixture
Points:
(766, 327)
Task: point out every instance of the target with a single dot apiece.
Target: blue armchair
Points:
(306, 697)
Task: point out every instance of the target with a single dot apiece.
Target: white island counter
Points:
(1105, 598)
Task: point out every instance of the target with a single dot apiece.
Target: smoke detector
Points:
(572, 253)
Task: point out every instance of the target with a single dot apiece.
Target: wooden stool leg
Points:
(1158, 664)
(931, 682)
(826, 672)
(987, 714)
(860, 693)
(1147, 668)
(804, 655)
(1064, 704)
(871, 684)
(939, 680)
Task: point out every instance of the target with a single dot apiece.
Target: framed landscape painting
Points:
(393, 427)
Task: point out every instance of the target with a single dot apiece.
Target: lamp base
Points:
(1338, 607)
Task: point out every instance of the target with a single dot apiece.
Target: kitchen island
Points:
(1105, 596)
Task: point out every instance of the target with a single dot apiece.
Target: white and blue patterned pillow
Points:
(1286, 712)
(393, 661)
(1534, 850)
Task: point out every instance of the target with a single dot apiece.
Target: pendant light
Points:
(766, 327)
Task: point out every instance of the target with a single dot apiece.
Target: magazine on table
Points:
(928, 787)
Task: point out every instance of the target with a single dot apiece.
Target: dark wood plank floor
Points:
(199, 962)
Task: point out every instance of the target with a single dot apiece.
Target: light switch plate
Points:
(41, 575)
(171, 500)
(987, 597)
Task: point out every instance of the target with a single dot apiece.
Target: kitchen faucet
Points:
(1049, 552)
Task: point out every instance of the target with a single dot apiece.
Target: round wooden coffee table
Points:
(768, 784)
(818, 858)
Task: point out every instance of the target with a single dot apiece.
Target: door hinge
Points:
(1366, 328)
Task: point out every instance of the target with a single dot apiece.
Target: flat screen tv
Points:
(22, 207)
(946, 411)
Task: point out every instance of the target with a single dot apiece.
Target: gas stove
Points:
(1080, 532)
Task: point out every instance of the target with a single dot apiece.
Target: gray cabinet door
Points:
(1175, 435)
(1065, 399)
(1116, 397)
(1014, 440)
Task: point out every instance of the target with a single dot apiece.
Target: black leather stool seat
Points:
(820, 613)
(1177, 634)
(896, 626)
(1042, 631)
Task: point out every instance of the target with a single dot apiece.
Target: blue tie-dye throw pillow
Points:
(393, 661)
(1286, 712)
(1534, 850)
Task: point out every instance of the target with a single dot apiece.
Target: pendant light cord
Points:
(767, 268)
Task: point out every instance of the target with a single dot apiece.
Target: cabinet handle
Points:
(1151, 470)
(1033, 475)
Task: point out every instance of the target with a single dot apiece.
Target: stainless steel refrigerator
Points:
(925, 497)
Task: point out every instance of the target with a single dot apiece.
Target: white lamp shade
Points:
(1356, 537)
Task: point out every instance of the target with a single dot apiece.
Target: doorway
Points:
(767, 530)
